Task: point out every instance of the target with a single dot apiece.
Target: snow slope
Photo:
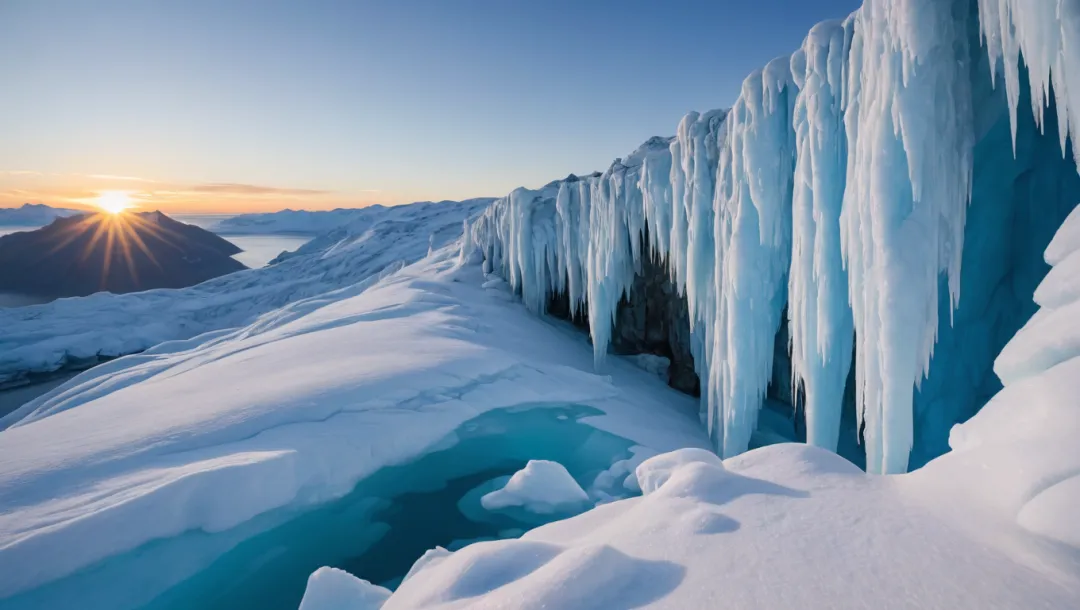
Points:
(72, 332)
(289, 411)
(306, 221)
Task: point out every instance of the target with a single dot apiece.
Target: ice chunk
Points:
(334, 589)
(620, 475)
(542, 487)
(651, 363)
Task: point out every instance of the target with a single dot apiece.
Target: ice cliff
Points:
(877, 197)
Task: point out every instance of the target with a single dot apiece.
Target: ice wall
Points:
(838, 188)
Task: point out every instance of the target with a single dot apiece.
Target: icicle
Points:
(655, 186)
(910, 148)
(1047, 33)
(819, 316)
(753, 228)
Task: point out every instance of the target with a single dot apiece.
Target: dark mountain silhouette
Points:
(129, 252)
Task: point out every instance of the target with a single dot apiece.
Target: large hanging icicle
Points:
(572, 207)
(656, 197)
(910, 143)
(1047, 33)
(753, 230)
(616, 224)
(695, 155)
(819, 317)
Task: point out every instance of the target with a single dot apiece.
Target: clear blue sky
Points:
(392, 100)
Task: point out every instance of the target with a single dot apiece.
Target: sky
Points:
(257, 105)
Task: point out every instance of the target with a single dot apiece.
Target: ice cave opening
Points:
(376, 532)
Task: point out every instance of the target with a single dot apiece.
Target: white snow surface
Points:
(292, 410)
(306, 222)
(333, 589)
(67, 332)
(541, 487)
(785, 526)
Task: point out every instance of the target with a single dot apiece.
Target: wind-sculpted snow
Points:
(70, 332)
(1019, 453)
(838, 189)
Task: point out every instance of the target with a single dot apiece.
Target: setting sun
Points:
(114, 202)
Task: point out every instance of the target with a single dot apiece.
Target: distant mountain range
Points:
(34, 215)
(309, 222)
(93, 252)
(292, 221)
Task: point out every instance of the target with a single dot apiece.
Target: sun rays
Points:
(122, 240)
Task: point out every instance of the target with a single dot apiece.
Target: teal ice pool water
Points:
(376, 531)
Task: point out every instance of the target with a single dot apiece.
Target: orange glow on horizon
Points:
(114, 202)
(120, 192)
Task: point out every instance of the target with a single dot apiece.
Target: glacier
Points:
(861, 198)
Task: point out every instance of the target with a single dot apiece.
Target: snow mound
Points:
(536, 575)
(653, 473)
(333, 589)
(542, 487)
